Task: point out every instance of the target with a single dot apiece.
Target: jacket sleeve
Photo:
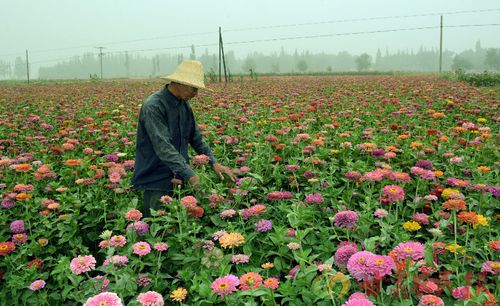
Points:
(199, 145)
(159, 134)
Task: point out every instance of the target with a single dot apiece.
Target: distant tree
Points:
(302, 65)
(4, 69)
(19, 68)
(378, 59)
(363, 62)
(249, 64)
(192, 56)
(493, 58)
(461, 63)
(275, 67)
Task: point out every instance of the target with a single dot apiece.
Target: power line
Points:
(292, 38)
(360, 19)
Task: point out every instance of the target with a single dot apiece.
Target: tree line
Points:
(126, 65)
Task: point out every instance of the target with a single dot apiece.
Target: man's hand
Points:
(220, 170)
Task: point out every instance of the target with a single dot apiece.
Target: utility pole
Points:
(100, 55)
(221, 52)
(27, 67)
(441, 47)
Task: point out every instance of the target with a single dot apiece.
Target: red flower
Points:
(6, 248)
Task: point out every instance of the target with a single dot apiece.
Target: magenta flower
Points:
(17, 227)
(358, 302)
(414, 250)
(346, 219)
(492, 267)
(357, 265)
(140, 227)
(314, 199)
(105, 298)
(82, 264)
(263, 226)
(380, 265)
(343, 254)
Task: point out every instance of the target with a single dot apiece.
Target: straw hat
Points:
(189, 73)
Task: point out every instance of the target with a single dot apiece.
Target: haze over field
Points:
(56, 31)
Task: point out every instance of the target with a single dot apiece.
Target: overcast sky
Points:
(79, 26)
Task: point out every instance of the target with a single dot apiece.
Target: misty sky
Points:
(79, 26)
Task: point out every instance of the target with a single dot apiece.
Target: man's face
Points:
(187, 92)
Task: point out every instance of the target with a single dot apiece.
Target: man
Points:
(165, 129)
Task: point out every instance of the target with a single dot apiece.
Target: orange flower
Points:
(23, 168)
(23, 196)
(454, 205)
(438, 173)
(467, 217)
(483, 169)
(73, 162)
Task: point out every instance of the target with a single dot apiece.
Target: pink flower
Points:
(105, 298)
(380, 213)
(200, 159)
(428, 287)
(430, 300)
(189, 201)
(150, 298)
(492, 267)
(133, 215)
(117, 241)
(462, 293)
(161, 246)
(37, 285)
(82, 264)
(358, 302)
(380, 266)
(343, 254)
(357, 265)
(116, 260)
(166, 199)
(225, 285)
(414, 250)
(314, 198)
(393, 193)
(373, 176)
(142, 248)
(115, 177)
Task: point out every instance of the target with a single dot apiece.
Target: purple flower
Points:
(378, 152)
(239, 259)
(424, 164)
(346, 219)
(263, 226)
(314, 198)
(111, 158)
(140, 227)
(17, 227)
(343, 254)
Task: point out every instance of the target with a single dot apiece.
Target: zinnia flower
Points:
(150, 298)
(231, 240)
(225, 285)
(179, 294)
(357, 265)
(414, 250)
(430, 300)
(105, 298)
(250, 280)
(346, 219)
(37, 285)
(393, 193)
(315, 198)
(271, 283)
(133, 215)
(82, 264)
(263, 226)
(462, 293)
(343, 254)
(142, 248)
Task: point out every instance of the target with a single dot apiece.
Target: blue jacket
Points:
(165, 129)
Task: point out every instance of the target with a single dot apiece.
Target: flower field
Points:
(356, 190)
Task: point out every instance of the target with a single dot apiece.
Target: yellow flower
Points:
(179, 294)
(267, 265)
(483, 169)
(231, 240)
(415, 145)
(481, 220)
(482, 120)
(43, 242)
(449, 192)
(411, 226)
(455, 248)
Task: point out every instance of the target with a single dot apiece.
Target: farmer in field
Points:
(165, 129)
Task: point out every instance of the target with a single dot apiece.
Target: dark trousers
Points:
(152, 201)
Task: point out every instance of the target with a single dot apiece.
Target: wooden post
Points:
(220, 74)
(441, 47)
(27, 67)
(223, 56)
